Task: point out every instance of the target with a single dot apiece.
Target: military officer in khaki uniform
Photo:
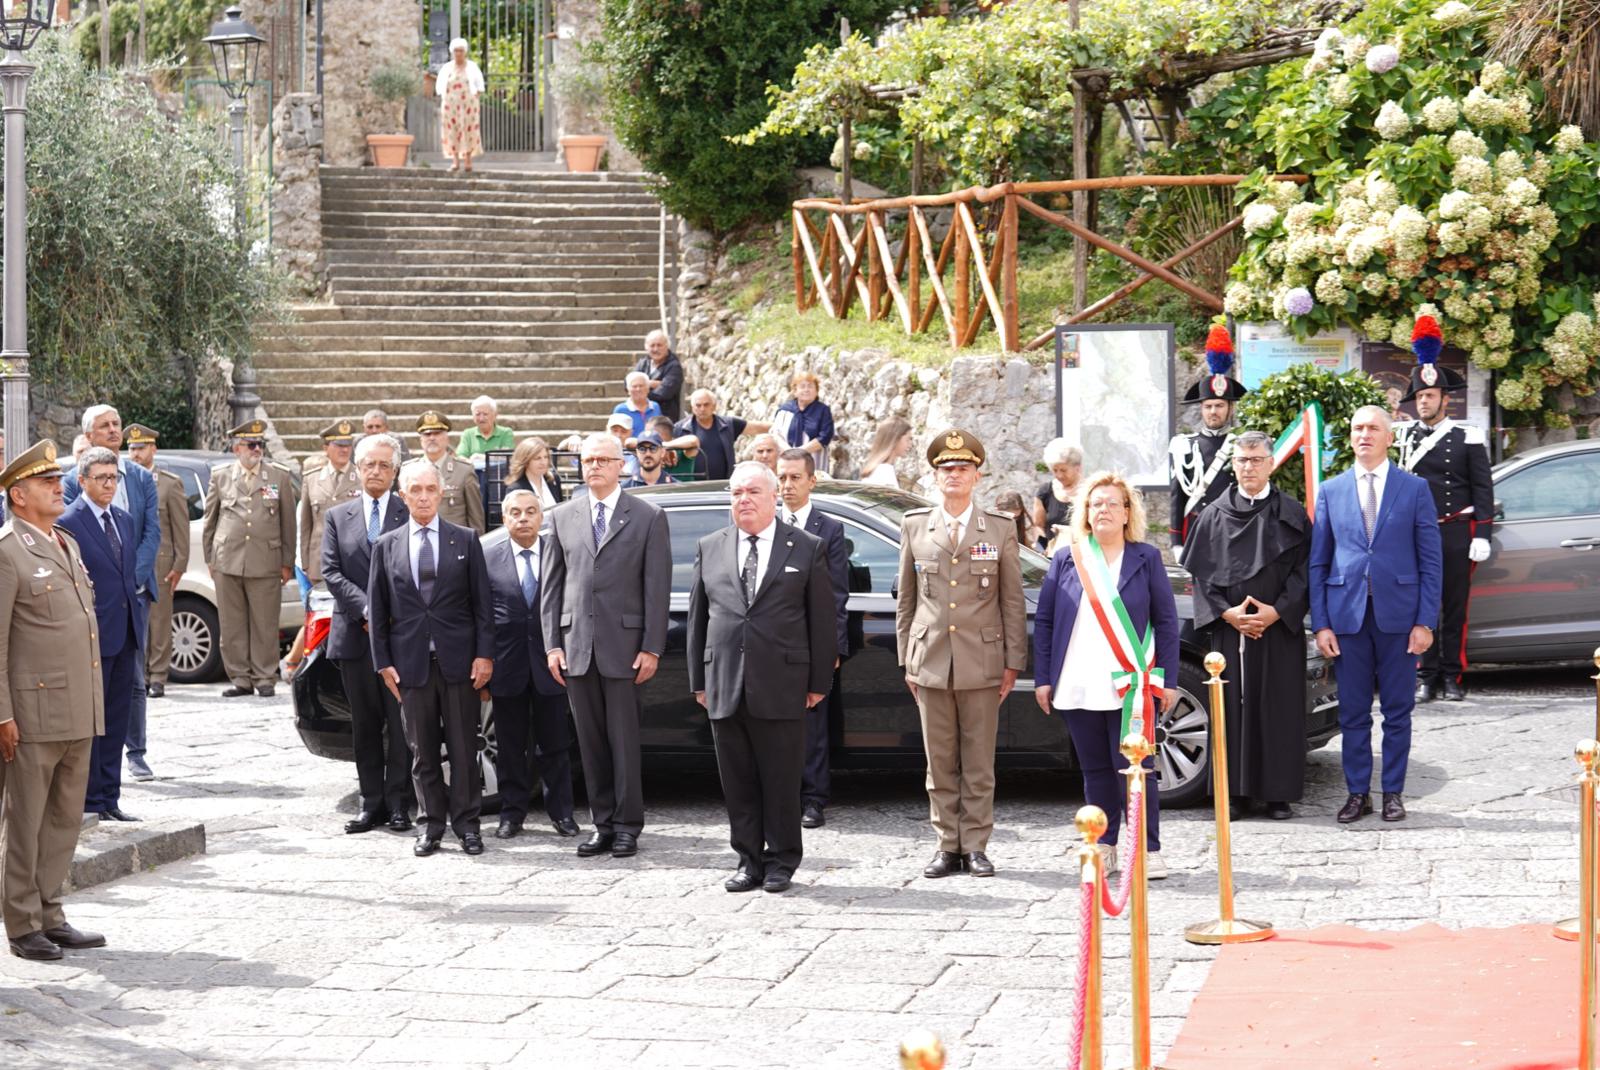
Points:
(963, 638)
(172, 558)
(462, 502)
(248, 540)
(322, 488)
(51, 705)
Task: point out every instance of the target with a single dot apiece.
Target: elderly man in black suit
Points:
(603, 605)
(530, 708)
(797, 478)
(431, 621)
(383, 761)
(763, 639)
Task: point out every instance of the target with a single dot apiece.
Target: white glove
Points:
(1479, 550)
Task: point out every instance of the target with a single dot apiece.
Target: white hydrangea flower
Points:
(1381, 59)
(1518, 112)
(1301, 249)
(1239, 300)
(1508, 166)
(1473, 173)
(1392, 122)
(1427, 308)
(1260, 217)
(1440, 113)
(1484, 109)
(1341, 93)
(1374, 283)
(1456, 204)
(1521, 191)
(1458, 308)
(1380, 193)
(1491, 358)
(1407, 226)
(1376, 326)
(1453, 13)
(1354, 48)
(1464, 144)
(1400, 333)
(1493, 75)
(1298, 218)
(1503, 274)
(1497, 334)
(1330, 289)
(1478, 223)
(1453, 237)
(1327, 41)
(1568, 139)
(1285, 194)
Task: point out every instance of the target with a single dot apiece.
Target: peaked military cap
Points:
(955, 447)
(39, 460)
(250, 431)
(139, 435)
(432, 420)
(340, 432)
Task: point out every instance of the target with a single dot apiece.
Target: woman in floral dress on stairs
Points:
(460, 82)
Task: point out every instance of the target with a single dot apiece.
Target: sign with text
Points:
(1268, 348)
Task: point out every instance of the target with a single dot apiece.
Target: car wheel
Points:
(1183, 743)
(196, 642)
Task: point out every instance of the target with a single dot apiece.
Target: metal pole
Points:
(455, 19)
(1091, 824)
(1568, 929)
(14, 75)
(236, 112)
(319, 48)
(1586, 755)
(1136, 749)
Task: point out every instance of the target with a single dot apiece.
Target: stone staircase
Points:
(534, 288)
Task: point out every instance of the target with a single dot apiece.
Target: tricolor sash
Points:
(1137, 677)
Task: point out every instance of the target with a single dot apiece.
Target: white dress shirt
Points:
(526, 564)
(1084, 682)
(100, 518)
(120, 499)
(965, 520)
(1382, 472)
(366, 509)
(610, 502)
(415, 541)
(802, 516)
(764, 539)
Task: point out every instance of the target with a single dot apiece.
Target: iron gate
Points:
(512, 43)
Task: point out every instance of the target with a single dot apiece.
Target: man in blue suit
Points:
(531, 720)
(136, 496)
(105, 536)
(797, 478)
(1376, 570)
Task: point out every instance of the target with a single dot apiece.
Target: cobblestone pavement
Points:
(291, 943)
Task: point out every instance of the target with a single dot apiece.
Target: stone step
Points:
(594, 250)
(478, 282)
(315, 384)
(307, 426)
(495, 239)
(470, 321)
(409, 354)
(531, 208)
(332, 400)
(553, 306)
(417, 264)
(596, 217)
(420, 177)
(413, 334)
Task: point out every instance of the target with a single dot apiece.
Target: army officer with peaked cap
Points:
(962, 629)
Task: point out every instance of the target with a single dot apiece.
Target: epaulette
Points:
(285, 469)
(1473, 435)
(1179, 443)
(998, 514)
(919, 511)
(5, 529)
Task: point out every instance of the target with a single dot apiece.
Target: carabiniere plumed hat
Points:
(1218, 385)
(1426, 342)
(955, 447)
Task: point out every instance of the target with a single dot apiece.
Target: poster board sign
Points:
(1391, 366)
(1268, 348)
(1115, 398)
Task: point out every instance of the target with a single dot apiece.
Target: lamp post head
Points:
(22, 21)
(235, 51)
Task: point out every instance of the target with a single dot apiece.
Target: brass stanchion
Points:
(1091, 822)
(1136, 749)
(1567, 929)
(1588, 755)
(1225, 929)
(921, 1050)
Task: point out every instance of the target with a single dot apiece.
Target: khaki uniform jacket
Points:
(249, 521)
(172, 507)
(462, 504)
(960, 614)
(49, 639)
(320, 490)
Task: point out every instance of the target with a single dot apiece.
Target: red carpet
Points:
(1341, 998)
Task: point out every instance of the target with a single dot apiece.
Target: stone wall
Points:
(297, 190)
(577, 23)
(359, 36)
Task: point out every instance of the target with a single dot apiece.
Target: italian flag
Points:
(1305, 437)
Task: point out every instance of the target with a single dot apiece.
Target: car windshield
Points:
(893, 505)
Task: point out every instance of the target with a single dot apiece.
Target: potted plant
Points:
(581, 87)
(391, 83)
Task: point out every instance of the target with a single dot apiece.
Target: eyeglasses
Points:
(253, 445)
(107, 480)
(602, 460)
(1251, 462)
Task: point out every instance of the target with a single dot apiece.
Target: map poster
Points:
(1268, 348)
(1114, 397)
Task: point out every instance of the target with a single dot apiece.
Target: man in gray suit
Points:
(762, 646)
(603, 602)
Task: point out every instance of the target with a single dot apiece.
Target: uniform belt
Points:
(1459, 514)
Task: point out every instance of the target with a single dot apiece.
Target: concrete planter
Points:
(389, 150)
(582, 151)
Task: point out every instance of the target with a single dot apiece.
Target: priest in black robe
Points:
(1248, 553)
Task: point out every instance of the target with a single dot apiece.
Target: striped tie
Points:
(1369, 504)
(373, 524)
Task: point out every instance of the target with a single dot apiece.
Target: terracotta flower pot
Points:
(390, 150)
(582, 151)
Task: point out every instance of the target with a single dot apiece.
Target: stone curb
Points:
(105, 853)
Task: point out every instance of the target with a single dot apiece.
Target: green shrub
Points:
(394, 82)
(1280, 399)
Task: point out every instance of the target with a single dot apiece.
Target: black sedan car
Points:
(873, 721)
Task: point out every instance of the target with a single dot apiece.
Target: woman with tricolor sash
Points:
(1105, 646)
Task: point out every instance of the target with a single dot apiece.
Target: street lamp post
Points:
(20, 27)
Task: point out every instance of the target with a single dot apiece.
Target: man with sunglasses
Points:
(652, 463)
(249, 543)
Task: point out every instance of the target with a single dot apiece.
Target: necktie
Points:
(955, 534)
(425, 569)
(372, 523)
(792, 520)
(1369, 504)
(530, 586)
(111, 533)
(748, 576)
(599, 523)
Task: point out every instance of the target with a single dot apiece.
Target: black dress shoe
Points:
(115, 814)
(1452, 691)
(977, 863)
(811, 816)
(1393, 808)
(64, 935)
(399, 822)
(625, 845)
(564, 826)
(1427, 690)
(741, 881)
(599, 843)
(1355, 808)
(155, 690)
(426, 844)
(35, 946)
(472, 843)
(776, 882)
(1279, 811)
(509, 829)
(944, 863)
(365, 821)
(265, 691)
(238, 692)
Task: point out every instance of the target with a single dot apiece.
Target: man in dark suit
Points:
(763, 640)
(431, 621)
(797, 478)
(105, 535)
(1376, 571)
(349, 528)
(603, 602)
(530, 708)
